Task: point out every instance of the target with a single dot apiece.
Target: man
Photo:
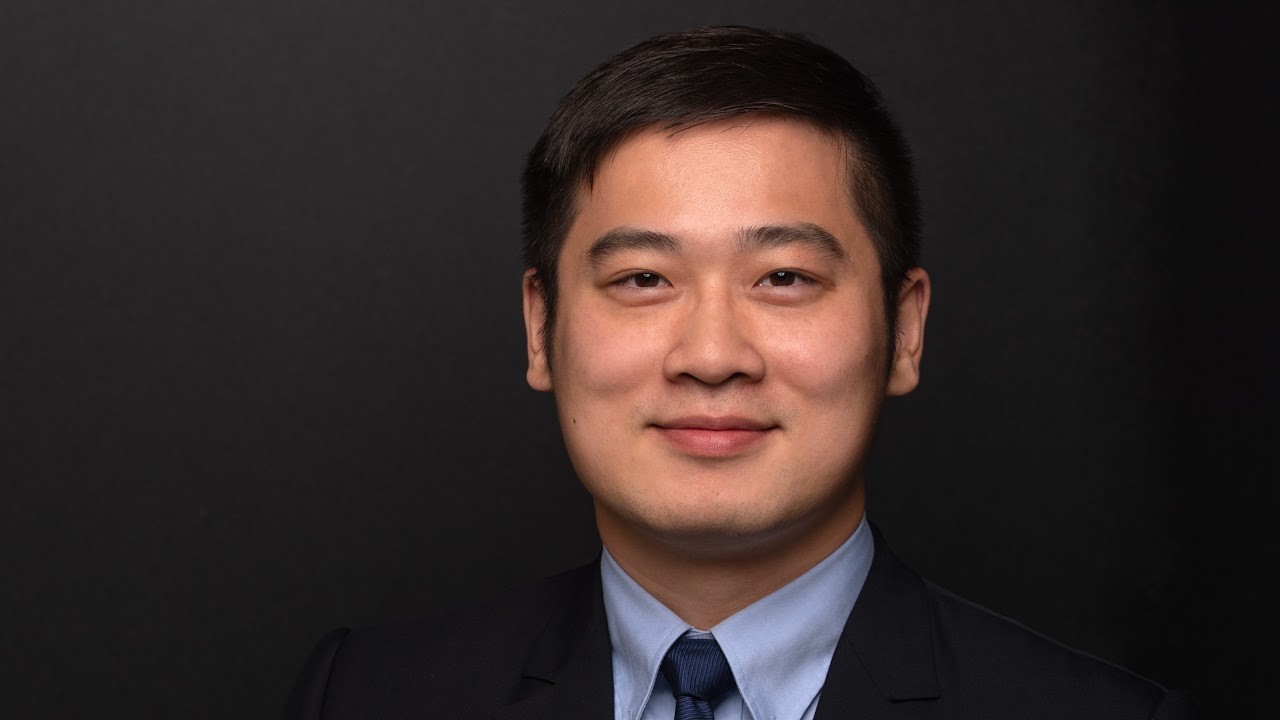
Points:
(721, 235)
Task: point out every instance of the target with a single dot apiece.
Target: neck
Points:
(706, 578)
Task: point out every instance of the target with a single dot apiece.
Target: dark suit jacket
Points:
(909, 650)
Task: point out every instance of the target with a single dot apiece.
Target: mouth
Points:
(713, 436)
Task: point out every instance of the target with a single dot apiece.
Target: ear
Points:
(913, 308)
(535, 318)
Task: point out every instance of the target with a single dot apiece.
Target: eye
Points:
(784, 278)
(643, 280)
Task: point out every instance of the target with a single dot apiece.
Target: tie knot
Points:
(697, 668)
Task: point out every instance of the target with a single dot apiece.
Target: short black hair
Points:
(703, 75)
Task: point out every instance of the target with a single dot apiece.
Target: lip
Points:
(713, 436)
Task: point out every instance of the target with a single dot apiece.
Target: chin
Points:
(722, 529)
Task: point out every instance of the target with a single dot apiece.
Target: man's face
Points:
(720, 349)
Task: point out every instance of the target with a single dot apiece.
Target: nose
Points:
(714, 343)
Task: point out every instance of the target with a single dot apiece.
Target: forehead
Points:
(715, 179)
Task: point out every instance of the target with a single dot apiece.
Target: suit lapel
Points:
(568, 674)
(883, 667)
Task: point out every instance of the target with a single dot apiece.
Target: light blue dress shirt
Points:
(779, 647)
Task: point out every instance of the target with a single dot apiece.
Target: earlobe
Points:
(535, 318)
(913, 309)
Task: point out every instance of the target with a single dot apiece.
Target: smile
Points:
(713, 437)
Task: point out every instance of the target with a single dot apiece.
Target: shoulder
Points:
(443, 663)
(914, 641)
(995, 664)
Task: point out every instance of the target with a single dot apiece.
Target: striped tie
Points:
(699, 676)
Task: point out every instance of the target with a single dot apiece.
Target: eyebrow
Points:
(760, 237)
(815, 237)
(622, 239)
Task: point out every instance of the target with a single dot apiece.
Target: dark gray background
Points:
(261, 361)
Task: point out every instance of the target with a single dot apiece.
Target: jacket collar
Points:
(886, 654)
(568, 672)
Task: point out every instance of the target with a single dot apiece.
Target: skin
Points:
(718, 384)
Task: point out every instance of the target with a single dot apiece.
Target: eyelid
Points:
(801, 277)
(627, 278)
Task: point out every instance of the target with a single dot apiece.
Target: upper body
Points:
(721, 236)
(908, 650)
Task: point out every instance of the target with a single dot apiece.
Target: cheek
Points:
(602, 357)
(829, 359)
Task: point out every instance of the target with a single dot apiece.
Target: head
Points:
(721, 234)
(682, 80)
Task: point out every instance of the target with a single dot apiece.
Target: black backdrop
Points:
(261, 363)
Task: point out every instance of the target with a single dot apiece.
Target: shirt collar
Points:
(779, 647)
(640, 631)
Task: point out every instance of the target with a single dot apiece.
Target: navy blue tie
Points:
(699, 676)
